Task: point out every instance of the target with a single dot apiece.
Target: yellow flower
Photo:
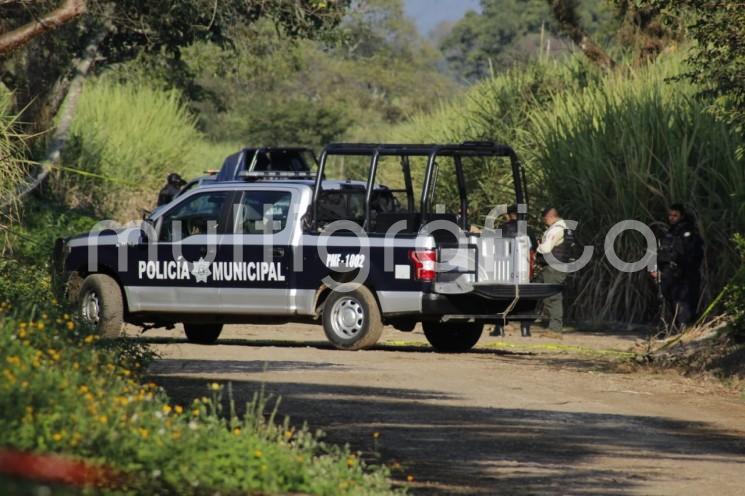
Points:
(288, 434)
(22, 333)
(376, 435)
(195, 412)
(83, 389)
(351, 461)
(144, 433)
(237, 431)
(103, 419)
(40, 326)
(257, 453)
(167, 409)
(14, 360)
(57, 437)
(215, 386)
(179, 409)
(410, 478)
(70, 325)
(88, 339)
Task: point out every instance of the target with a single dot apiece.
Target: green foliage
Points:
(63, 391)
(734, 300)
(127, 138)
(26, 266)
(269, 89)
(11, 159)
(509, 32)
(717, 63)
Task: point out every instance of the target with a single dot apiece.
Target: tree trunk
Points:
(63, 14)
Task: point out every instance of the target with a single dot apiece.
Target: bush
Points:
(25, 270)
(125, 139)
(734, 299)
(63, 391)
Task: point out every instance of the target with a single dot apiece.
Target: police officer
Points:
(679, 260)
(174, 183)
(553, 242)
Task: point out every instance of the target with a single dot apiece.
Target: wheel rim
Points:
(91, 307)
(347, 318)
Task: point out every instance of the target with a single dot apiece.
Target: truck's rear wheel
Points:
(452, 337)
(202, 333)
(101, 304)
(351, 319)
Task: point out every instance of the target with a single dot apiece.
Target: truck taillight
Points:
(424, 264)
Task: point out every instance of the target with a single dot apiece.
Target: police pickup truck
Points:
(288, 246)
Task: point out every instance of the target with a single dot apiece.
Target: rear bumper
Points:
(488, 303)
(533, 291)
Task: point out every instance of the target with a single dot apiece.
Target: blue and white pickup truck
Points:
(281, 246)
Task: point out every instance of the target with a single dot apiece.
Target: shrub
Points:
(125, 139)
(63, 391)
(734, 299)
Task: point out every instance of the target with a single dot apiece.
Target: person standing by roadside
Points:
(174, 183)
(679, 262)
(553, 242)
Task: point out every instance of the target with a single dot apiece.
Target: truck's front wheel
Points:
(351, 319)
(101, 304)
(452, 337)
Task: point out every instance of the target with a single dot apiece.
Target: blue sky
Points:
(429, 13)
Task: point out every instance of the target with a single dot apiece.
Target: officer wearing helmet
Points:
(174, 183)
(679, 261)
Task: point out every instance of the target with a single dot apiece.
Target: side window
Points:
(199, 214)
(263, 212)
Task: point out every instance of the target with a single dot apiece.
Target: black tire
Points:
(351, 319)
(102, 305)
(452, 337)
(202, 333)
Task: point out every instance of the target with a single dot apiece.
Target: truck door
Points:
(173, 272)
(257, 278)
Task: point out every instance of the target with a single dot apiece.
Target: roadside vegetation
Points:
(64, 391)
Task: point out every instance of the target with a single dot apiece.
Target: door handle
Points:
(278, 252)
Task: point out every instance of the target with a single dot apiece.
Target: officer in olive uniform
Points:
(174, 183)
(553, 242)
(679, 261)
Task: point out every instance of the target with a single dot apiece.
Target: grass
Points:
(126, 138)
(63, 391)
(12, 164)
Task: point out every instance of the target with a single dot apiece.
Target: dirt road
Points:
(547, 416)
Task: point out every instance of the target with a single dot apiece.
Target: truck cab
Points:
(296, 246)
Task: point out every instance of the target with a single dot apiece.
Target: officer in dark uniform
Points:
(679, 261)
(174, 183)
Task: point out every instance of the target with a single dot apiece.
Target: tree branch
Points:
(68, 11)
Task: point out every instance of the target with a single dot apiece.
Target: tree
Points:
(566, 15)
(717, 61)
(40, 68)
(506, 32)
